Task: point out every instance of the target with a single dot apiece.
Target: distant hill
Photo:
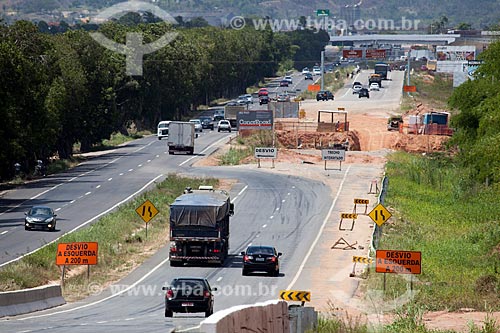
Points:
(479, 13)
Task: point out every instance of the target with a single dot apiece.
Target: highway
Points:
(266, 213)
(285, 211)
(95, 187)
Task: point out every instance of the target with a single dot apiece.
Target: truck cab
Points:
(163, 129)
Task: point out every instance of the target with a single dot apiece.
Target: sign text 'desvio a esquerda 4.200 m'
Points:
(399, 262)
(255, 120)
(79, 253)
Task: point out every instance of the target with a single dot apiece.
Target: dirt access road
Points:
(326, 273)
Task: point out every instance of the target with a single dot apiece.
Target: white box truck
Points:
(181, 137)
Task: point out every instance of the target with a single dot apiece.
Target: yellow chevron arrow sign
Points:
(348, 216)
(363, 260)
(295, 295)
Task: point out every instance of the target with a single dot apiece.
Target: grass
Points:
(453, 224)
(434, 89)
(115, 140)
(244, 147)
(408, 319)
(122, 244)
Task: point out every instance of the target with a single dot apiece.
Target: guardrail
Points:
(17, 302)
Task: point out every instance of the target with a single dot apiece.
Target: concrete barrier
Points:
(302, 318)
(269, 317)
(17, 302)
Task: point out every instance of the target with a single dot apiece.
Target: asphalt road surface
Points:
(90, 190)
(284, 211)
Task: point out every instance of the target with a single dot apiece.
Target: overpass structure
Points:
(356, 40)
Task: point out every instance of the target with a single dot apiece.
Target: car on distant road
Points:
(40, 217)
(236, 102)
(260, 258)
(356, 88)
(247, 98)
(206, 122)
(284, 83)
(263, 92)
(306, 70)
(308, 76)
(374, 86)
(316, 70)
(324, 95)
(363, 92)
(289, 79)
(283, 98)
(264, 100)
(224, 125)
(189, 294)
(197, 125)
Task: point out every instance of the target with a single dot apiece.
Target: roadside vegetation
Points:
(244, 146)
(122, 244)
(434, 89)
(453, 222)
(65, 89)
(446, 206)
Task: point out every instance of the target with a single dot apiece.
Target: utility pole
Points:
(322, 70)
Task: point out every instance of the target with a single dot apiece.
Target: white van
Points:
(163, 129)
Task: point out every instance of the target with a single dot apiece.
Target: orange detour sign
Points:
(77, 253)
(314, 87)
(400, 262)
(410, 88)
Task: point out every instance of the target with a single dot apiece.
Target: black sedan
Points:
(258, 258)
(364, 93)
(206, 123)
(324, 95)
(189, 294)
(40, 217)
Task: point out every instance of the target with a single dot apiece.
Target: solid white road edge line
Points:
(88, 221)
(311, 248)
(102, 300)
(70, 180)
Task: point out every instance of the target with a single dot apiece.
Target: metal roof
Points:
(429, 39)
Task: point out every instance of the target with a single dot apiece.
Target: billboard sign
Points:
(375, 53)
(352, 53)
(456, 53)
(255, 120)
